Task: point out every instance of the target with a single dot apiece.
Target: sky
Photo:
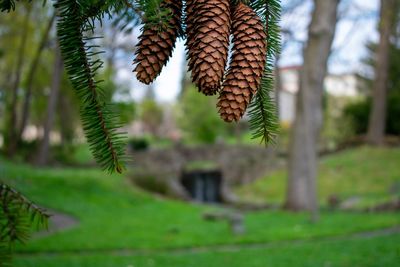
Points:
(356, 27)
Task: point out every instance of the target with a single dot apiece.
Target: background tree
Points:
(44, 38)
(388, 16)
(151, 113)
(12, 103)
(43, 154)
(358, 112)
(198, 119)
(301, 190)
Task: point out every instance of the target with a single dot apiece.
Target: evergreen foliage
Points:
(17, 214)
(98, 119)
(7, 5)
(263, 119)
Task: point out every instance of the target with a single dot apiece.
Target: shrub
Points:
(358, 112)
(138, 144)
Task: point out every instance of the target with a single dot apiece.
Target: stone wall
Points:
(239, 164)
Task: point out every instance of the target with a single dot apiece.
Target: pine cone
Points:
(155, 46)
(208, 29)
(247, 65)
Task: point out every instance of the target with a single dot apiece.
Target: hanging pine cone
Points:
(208, 29)
(155, 46)
(247, 65)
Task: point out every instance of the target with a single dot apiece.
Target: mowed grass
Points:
(374, 252)
(370, 174)
(114, 215)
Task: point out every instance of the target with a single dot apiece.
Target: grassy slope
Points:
(114, 215)
(364, 172)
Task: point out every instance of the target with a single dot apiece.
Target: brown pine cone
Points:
(156, 45)
(247, 65)
(208, 29)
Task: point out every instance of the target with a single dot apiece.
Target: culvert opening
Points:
(203, 185)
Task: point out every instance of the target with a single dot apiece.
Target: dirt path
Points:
(220, 248)
(58, 222)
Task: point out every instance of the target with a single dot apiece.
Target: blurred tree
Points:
(388, 16)
(11, 131)
(68, 114)
(198, 118)
(301, 190)
(151, 113)
(358, 112)
(30, 85)
(31, 75)
(43, 154)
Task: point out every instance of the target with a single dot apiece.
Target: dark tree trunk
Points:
(301, 190)
(31, 76)
(10, 135)
(377, 118)
(43, 155)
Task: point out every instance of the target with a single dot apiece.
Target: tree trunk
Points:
(66, 118)
(301, 190)
(377, 118)
(10, 135)
(43, 156)
(31, 75)
(278, 87)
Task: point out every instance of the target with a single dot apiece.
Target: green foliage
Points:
(150, 183)
(126, 111)
(358, 113)
(198, 118)
(98, 118)
(153, 13)
(151, 114)
(138, 144)
(263, 118)
(16, 215)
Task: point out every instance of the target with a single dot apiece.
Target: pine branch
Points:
(98, 119)
(7, 5)
(128, 14)
(263, 119)
(17, 214)
(154, 15)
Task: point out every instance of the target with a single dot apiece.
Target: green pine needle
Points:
(263, 118)
(98, 118)
(17, 214)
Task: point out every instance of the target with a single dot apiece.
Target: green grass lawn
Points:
(367, 173)
(115, 215)
(370, 252)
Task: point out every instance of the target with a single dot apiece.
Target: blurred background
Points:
(199, 191)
